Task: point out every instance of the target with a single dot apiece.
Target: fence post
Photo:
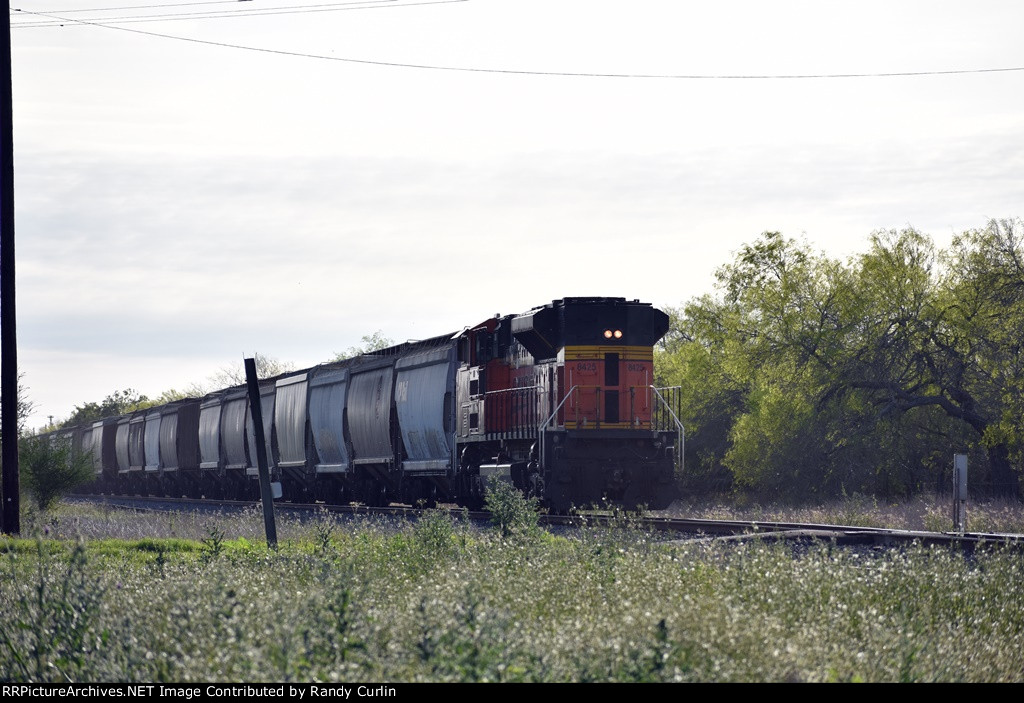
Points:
(959, 493)
(256, 410)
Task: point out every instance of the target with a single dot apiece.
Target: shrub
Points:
(511, 511)
(434, 532)
(51, 468)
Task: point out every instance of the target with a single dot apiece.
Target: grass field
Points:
(102, 595)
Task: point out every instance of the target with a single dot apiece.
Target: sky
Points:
(196, 182)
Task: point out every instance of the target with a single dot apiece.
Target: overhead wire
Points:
(249, 11)
(118, 8)
(517, 72)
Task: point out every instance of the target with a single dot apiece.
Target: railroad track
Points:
(686, 529)
(745, 530)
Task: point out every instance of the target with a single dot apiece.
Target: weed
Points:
(161, 561)
(323, 530)
(511, 511)
(52, 468)
(434, 533)
(342, 618)
(937, 519)
(856, 509)
(213, 544)
(46, 628)
(600, 605)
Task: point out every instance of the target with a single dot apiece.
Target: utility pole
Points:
(8, 340)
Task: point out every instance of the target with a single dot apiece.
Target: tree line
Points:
(129, 400)
(808, 376)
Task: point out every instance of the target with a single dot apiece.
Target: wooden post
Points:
(256, 411)
(959, 493)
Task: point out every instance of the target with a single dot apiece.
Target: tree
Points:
(234, 375)
(699, 355)
(129, 400)
(782, 324)
(979, 343)
(371, 343)
(810, 375)
(947, 337)
(51, 468)
(117, 403)
(171, 395)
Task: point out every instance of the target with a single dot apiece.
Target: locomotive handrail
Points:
(540, 429)
(661, 398)
(559, 407)
(510, 390)
(512, 411)
(675, 419)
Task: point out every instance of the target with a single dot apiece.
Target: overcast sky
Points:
(290, 182)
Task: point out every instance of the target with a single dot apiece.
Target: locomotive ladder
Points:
(666, 413)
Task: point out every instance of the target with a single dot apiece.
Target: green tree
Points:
(701, 355)
(117, 403)
(172, 394)
(810, 375)
(979, 343)
(946, 337)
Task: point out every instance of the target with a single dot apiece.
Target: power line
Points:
(524, 72)
(212, 14)
(144, 7)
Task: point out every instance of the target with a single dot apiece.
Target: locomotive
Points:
(559, 401)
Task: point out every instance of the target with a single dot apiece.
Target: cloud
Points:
(200, 259)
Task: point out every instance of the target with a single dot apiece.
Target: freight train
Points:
(559, 401)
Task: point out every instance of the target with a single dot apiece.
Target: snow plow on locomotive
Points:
(559, 401)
